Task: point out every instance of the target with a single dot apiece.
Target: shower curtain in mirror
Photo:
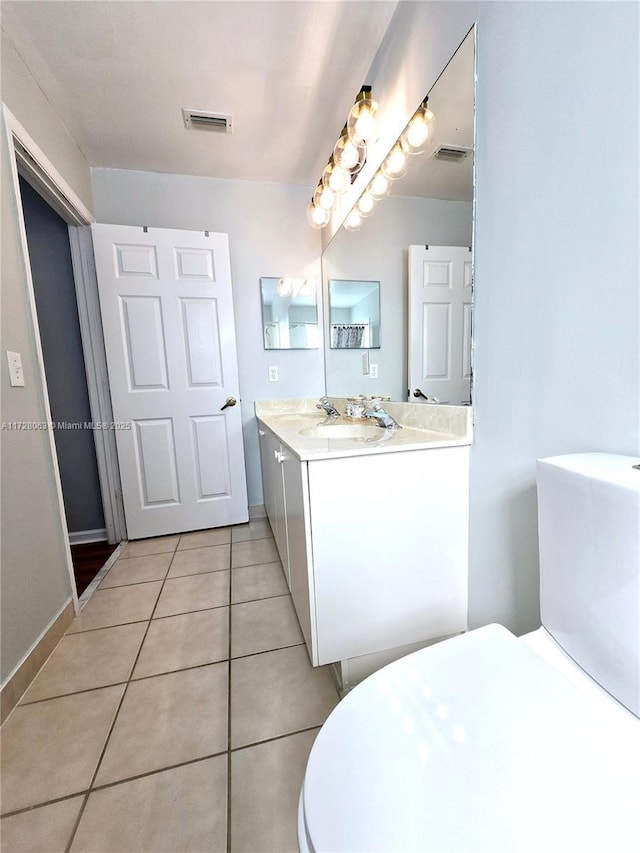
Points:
(344, 336)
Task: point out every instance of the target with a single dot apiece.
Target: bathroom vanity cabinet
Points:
(374, 545)
(273, 489)
(285, 486)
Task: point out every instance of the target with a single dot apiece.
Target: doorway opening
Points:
(60, 336)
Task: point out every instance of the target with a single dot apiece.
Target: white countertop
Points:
(424, 427)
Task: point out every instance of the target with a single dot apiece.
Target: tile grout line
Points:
(158, 619)
(105, 785)
(164, 672)
(115, 716)
(155, 580)
(179, 577)
(228, 839)
(149, 621)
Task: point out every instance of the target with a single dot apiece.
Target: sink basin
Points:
(340, 431)
(297, 418)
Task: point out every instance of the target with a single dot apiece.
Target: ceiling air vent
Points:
(199, 120)
(451, 153)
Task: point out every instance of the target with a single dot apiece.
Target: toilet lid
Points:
(473, 744)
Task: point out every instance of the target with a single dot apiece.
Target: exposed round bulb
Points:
(337, 179)
(317, 217)
(353, 220)
(395, 166)
(419, 132)
(379, 186)
(348, 155)
(324, 197)
(361, 123)
(365, 204)
(365, 127)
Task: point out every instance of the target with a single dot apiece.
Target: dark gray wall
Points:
(54, 288)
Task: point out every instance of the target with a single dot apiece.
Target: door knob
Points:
(231, 401)
(418, 393)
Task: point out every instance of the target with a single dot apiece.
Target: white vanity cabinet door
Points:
(273, 487)
(390, 549)
(296, 490)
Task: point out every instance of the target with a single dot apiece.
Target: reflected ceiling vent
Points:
(451, 153)
(200, 120)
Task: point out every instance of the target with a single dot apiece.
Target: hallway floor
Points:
(176, 714)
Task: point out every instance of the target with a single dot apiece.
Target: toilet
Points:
(490, 742)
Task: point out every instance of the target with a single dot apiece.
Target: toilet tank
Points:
(589, 535)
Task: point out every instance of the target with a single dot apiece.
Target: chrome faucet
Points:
(328, 407)
(374, 410)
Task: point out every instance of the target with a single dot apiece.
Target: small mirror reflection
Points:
(290, 313)
(354, 314)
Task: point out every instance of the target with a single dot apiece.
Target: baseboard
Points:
(22, 676)
(84, 537)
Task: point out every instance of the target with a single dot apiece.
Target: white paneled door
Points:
(440, 290)
(167, 315)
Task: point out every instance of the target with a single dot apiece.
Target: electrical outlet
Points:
(16, 375)
(373, 371)
(273, 374)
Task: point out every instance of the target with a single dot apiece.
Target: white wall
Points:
(25, 99)
(35, 580)
(557, 360)
(268, 236)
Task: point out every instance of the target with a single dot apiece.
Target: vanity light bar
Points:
(348, 157)
(416, 137)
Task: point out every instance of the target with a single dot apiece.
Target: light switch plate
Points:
(16, 374)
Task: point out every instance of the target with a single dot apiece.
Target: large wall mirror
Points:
(289, 313)
(432, 205)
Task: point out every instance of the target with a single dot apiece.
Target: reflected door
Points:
(167, 315)
(440, 291)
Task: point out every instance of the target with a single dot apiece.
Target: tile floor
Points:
(177, 712)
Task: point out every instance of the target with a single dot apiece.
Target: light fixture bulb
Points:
(337, 179)
(379, 186)
(395, 166)
(317, 217)
(362, 125)
(365, 204)
(419, 132)
(348, 155)
(353, 220)
(324, 197)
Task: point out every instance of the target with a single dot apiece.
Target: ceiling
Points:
(452, 101)
(119, 73)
